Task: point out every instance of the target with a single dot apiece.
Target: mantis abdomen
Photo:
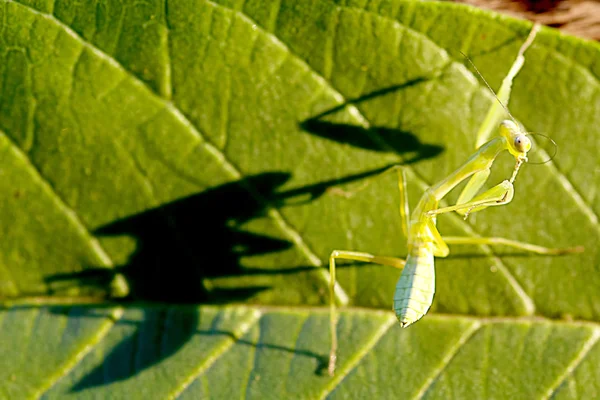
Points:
(415, 288)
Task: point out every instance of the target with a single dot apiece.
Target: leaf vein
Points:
(218, 352)
(255, 355)
(460, 343)
(577, 360)
(328, 57)
(296, 345)
(251, 363)
(145, 180)
(70, 213)
(358, 357)
(69, 365)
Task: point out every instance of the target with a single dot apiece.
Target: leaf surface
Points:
(209, 352)
(132, 132)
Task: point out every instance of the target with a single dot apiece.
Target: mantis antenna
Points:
(553, 144)
(489, 87)
(494, 115)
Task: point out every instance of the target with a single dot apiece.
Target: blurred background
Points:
(577, 17)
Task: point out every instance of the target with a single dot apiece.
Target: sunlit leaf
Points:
(193, 151)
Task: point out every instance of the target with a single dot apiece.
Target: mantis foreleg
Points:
(473, 186)
(498, 195)
(496, 113)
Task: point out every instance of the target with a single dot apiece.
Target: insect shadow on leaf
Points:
(179, 244)
(383, 139)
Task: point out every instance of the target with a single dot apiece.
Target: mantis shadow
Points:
(181, 243)
(179, 246)
(382, 139)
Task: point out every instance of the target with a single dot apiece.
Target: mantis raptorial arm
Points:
(495, 114)
(473, 186)
(498, 195)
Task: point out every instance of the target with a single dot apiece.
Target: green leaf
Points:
(188, 151)
(234, 352)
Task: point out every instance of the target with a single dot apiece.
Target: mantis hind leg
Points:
(355, 256)
(532, 248)
(404, 208)
(365, 257)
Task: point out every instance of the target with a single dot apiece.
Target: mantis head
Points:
(518, 144)
(517, 140)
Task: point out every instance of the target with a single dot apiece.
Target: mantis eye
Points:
(522, 143)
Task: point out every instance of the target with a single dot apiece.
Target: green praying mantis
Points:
(416, 286)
